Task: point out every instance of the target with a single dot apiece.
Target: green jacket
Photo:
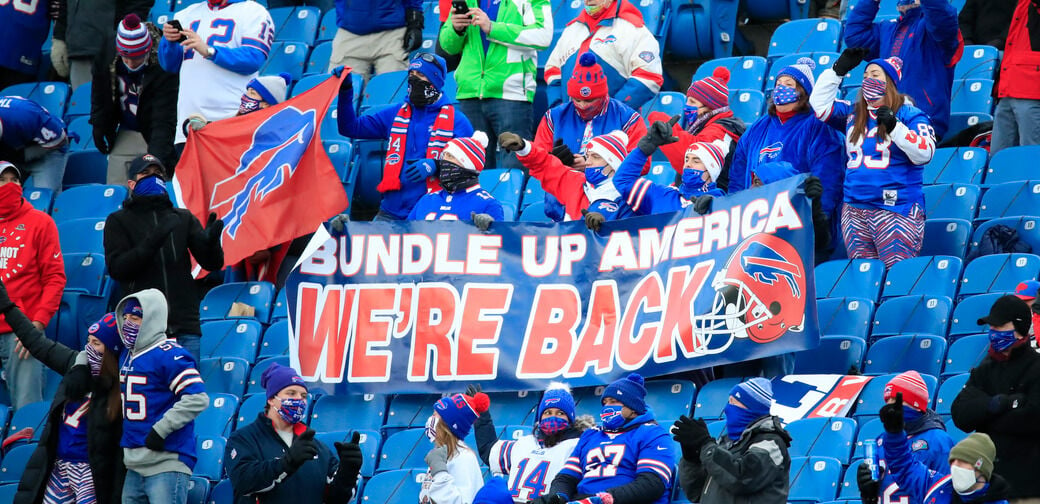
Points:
(508, 70)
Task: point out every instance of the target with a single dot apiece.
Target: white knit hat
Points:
(710, 155)
(272, 88)
(469, 151)
(612, 147)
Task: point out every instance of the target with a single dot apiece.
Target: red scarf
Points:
(443, 130)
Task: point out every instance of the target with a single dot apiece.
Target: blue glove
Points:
(419, 171)
(338, 71)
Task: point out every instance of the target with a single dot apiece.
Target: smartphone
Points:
(459, 6)
(177, 24)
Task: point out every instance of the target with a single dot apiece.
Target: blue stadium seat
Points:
(965, 353)
(956, 165)
(822, 437)
(921, 352)
(85, 272)
(81, 134)
(158, 17)
(872, 397)
(328, 27)
(712, 398)
(510, 408)
(31, 415)
(745, 72)
(533, 192)
(972, 96)
(504, 184)
(224, 375)
(275, 341)
(845, 316)
(14, 463)
(1028, 229)
(301, 26)
(222, 493)
(85, 167)
(386, 88)
(198, 490)
(82, 235)
(869, 429)
(210, 452)
(814, 479)
(834, 355)
(946, 237)
(410, 410)
(1012, 165)
(88, 202)
(588, 400)
(827, 274)
(218, 301)
(405, 450)
(805, 35)
(534, 213)
(7, 492)
(1010, 199)
(947, 393)
(956, 434)
(746, 104)
(76, 312)
(655, 15)
(318, 62)
(281, 309)
(951, 201)
(370, 443)
(231, 338)
(960, 121)
(341, 153)
(977, 62)
(52, 96)
(858, 278)
(925, 275)
(670, 398)
(344, 412)
(968, 311)
(661, 172)
(668, 103)
(393, 487)
(998, 273)
(369, 167)
(254, 386)
(823, 60)
(288, 57)
(218, 418)
(40, 199)
(915, 314)
(280, 15)
(250, 407)
(849, 491)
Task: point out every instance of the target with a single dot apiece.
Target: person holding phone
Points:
(376, 37)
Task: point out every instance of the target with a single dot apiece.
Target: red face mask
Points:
(591, 110)
(10, 198)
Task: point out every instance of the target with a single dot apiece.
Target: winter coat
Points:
(1020, 66)
(926, 485)
(156, 102)
(103, 451)
(929, 443)
(88, 27)
(136, 266)
(752, 469)
(1015, 430)
(985, 22)
(570, 186)
(722, 127)
(33, 269)
(362, 17)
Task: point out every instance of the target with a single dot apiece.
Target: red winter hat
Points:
(132, 38)
(913, 388)
(588, 81)
(712, 91)
(469, 151)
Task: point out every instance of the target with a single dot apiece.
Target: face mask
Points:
(293, 410)
(962, 478)
(10, 198)
(611, 417)
(691, 181)
(873, 89)
(552, 425)
(137, 68)
(152, 185)
(737, 419)
(1001, 340)
(689, 115)
(94, 360)
(421, 93)
(454, 177)
(248, 105)
(431, 429)
(783, 95)
(590, 111)
(129, 333)
(595, 176)
(910, 414)
(592, 10)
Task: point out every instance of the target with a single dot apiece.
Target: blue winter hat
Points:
(431, 66)
(459, 411)
(629, 391)
(495, 491)
(133, 307)
(107, 330)
(558, 395)
(802, 72)
(272, 88)
(277, 377)
(755, 394)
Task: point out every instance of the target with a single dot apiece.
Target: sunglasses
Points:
(430, 58)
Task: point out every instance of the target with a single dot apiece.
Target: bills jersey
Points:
(151, 382)
(213, 90)
(442, 205)
(25, 29)
(604, 460)
(530, 466)
(72, 433)
(24, 123)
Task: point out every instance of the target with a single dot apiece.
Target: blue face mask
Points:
(737, 419)
(152, 185)
(1001, 340)
(691, 181)
(783, 95)
(293, 410)
(595, 176)
(689, 115)
(910, 414)
(552, 425)
(611, 417)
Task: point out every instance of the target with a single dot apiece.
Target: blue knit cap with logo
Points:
(755, 394)
(558, 395)
(628, 391)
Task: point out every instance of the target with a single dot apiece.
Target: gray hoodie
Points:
(144, 461)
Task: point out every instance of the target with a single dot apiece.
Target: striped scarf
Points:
(443, 130)
(697, 125)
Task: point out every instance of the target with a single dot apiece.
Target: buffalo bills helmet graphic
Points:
(760, 294)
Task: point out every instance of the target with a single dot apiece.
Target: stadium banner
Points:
(815, 396)
(266, 173)
(430, 306)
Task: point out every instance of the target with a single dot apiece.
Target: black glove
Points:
(691, 435)
(1003, 402)
(563, 153)
(77, 383)
(556, 498)
(214, 227)
(660, 133)
(5, 300)
(304, 448)
(813, 187)
(154, 441)
(702, 204)
(868, 486)
(350, 459)
(157, 237)
(886, 117)
(413, 29)
(593, 220)
(892, 415)
(848, 60)
(102, 141)
(474, 389)
(511, 142)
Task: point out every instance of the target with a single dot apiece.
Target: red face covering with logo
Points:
(592, 109)
(10, 199)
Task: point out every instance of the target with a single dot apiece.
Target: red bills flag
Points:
(265, 174)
